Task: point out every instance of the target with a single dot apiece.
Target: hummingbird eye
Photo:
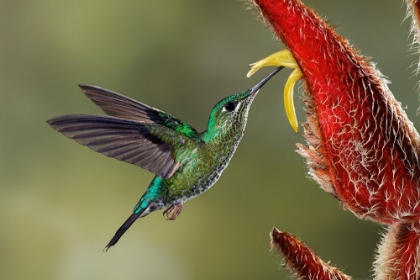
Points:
(229, 107)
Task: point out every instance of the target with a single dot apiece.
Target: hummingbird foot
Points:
(172, 212)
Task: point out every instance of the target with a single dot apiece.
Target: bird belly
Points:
(208, 178)
(199, 174)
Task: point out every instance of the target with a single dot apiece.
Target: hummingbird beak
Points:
(255, 89)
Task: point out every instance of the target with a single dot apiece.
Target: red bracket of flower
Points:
(361, 146)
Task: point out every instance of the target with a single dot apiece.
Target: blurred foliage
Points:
(61, 203)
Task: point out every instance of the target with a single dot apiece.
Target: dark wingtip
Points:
(60, 119)
(90, 90)
(87, 87)
(53, 121)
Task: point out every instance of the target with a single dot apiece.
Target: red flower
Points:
(361, 148)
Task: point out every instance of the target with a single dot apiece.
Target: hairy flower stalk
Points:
(362, 148)
(398, 254)
(302, 260)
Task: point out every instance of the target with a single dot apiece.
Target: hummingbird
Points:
(186, 163)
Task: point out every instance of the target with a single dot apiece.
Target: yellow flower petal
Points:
(281, 58)
(286, 59)
(289, 106)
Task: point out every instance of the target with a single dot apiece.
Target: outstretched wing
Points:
(148, 145)
(120, 106)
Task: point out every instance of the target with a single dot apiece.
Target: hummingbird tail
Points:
(127, 224)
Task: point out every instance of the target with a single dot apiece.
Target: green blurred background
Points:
(60, 203)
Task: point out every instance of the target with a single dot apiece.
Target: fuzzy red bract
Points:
(302, 260)
(367, 149)
(362, 148)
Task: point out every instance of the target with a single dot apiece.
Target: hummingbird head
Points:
(230, 115)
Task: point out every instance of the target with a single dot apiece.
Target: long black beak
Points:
(255, 89)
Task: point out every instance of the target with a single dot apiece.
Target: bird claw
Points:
(172, 212)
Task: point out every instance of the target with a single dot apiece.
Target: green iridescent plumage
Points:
(186, 163)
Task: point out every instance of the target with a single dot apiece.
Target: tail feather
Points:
(127, 224)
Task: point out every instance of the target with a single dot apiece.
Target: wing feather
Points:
(148, 145)
(117, 105)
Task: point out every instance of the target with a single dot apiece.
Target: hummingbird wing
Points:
(148, 145)
(117, 105)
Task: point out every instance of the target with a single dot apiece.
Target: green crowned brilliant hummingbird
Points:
(186, 163)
